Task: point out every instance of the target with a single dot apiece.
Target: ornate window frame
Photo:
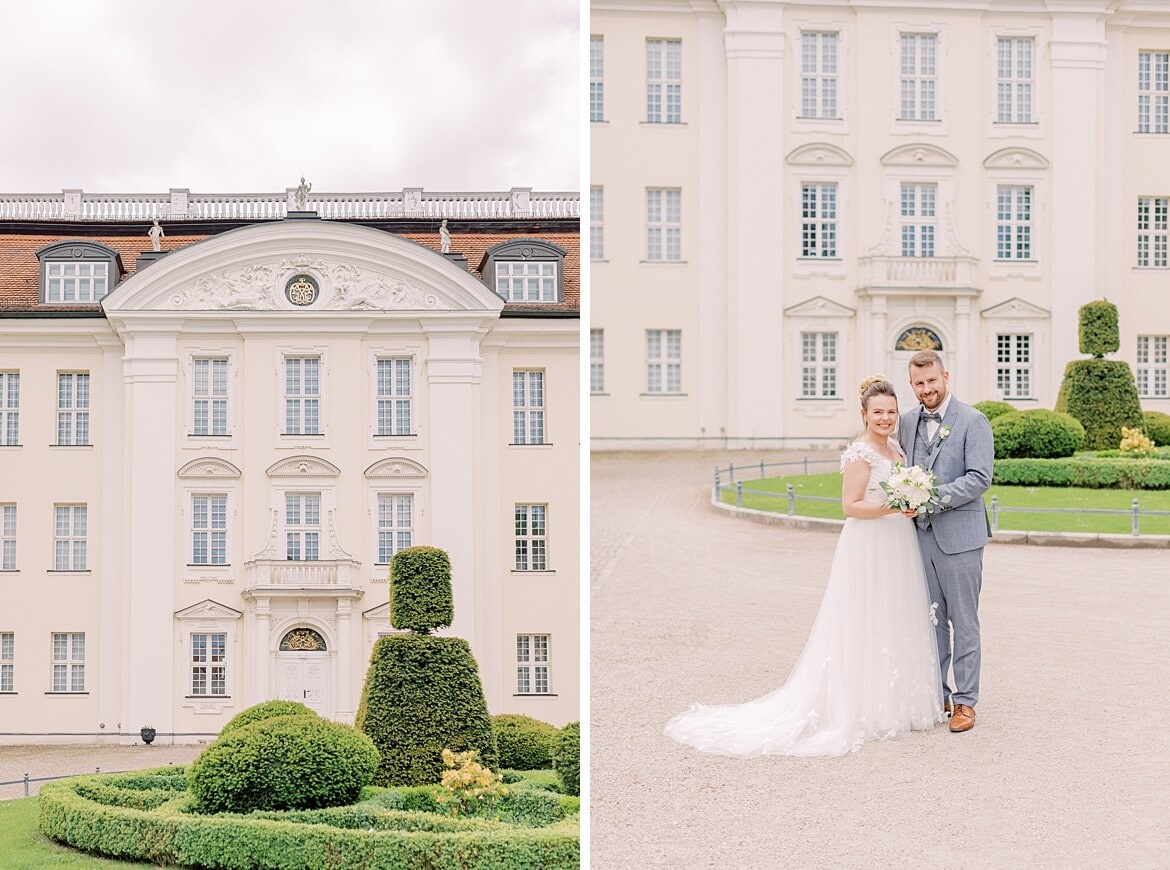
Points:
(526, 250)
(208, 617)
(68, 251)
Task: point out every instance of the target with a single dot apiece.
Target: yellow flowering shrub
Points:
(468, 786)
(1135, 442)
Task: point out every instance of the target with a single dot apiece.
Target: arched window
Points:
(302, 640)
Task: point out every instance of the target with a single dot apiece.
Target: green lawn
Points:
(24, 847)
(829, 486)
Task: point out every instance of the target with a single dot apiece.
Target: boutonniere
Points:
(943, 432)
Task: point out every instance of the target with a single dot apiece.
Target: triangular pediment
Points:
(1015, 308)
(819, 306)
(919, 154)
(208, 609)
(208, 467)
(818, 154)
(303, 466)
(303, 267)
(395, 468)
(1016, 158)
(382, 611)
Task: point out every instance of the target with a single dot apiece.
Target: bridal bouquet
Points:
(910, 487)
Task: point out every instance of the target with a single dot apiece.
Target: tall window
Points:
(209, 530)
(531, 537)
(1013, 84)
(302, 526)
(919, 83)
(395, 525)
(918, 219)
(394, 396)
(818, 227)
(527, 280)
(532, 664)
(7, 661)
(596, 361)
(663, 360)
(664, 81)
(663, 224)
(210, 417)
(596, 225)
(302, 395)
(69, 537)
(208, 664)
(7, 537)
(9, 408)
(76, 282)
(73, 408)
(1013, 366)
(1152, 366)
(1013, 222)
(818, 365)
(1153, 92)
(818, 75)
(596, 78)
(1152, 231)
(69, 661)
(527, 406)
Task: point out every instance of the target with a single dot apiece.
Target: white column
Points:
(150, 370)
(1078, 51)
(969, 381)
(878, 353)
(454, 369)
(261, 682)
(755, 209)
(345, 689)
(112, 629)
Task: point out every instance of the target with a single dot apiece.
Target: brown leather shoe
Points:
(963, 719)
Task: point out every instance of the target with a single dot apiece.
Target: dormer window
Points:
(526, 270)
(77, 272)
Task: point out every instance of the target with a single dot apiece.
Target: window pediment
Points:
(819, 306)
(396, 468)
(208, 609)
(303, 467)
(1016, 158)
(209, 467)
(919, 154)
(818, 154)
(1015, 308)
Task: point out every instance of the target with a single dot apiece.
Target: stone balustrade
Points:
(918, 272)
(306, 574)
(181, 204)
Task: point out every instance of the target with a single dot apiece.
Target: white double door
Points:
(304, 677)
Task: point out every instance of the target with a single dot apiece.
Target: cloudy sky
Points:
(246, 96)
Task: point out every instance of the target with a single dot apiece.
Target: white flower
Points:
(943, 432)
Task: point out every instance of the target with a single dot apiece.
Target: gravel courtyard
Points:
(1066, 767)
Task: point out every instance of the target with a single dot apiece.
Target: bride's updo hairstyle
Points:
(875, 385)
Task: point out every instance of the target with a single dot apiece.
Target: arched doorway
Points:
(302, 671)
(911, 341)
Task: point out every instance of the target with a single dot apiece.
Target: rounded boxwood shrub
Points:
(567, 757)
(265, 710)
(1157, 426)
(524, 743)
(1102, 394)
(287, 762)
(420, 589)
(1036, 434)
(423, 695)
(992, 409)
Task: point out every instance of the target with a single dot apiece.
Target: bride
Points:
(869, 670)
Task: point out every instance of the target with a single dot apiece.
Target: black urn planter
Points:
(147, 735)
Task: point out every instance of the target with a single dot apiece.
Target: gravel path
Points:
(40, 761)
(1067, 767)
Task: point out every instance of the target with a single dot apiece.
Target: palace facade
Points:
(209, 452)
(789, 196)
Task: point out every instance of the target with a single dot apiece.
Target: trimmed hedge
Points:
(169, 837)
(567, 757)
(1102, 394)
(992, 409)
(423, 695)
(265, 710)
(289, 762)
(1089, 473)
(1157, 426)
(524, 743)
(1097, 332)
(420, 590)
(1036, 434)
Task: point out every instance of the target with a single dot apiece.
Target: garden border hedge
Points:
(1090, 473)
(169, 836)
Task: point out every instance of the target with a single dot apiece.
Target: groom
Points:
(954, 441)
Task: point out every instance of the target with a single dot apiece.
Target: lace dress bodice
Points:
(879, 466)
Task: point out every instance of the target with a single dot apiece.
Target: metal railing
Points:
(1135, 511)
(27, 779)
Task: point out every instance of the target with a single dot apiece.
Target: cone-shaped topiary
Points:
(420, 590)
(423, 694)
(1101, 393)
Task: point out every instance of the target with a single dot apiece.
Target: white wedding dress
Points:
(869, 670)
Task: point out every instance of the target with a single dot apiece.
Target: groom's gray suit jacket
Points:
(963, 462)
